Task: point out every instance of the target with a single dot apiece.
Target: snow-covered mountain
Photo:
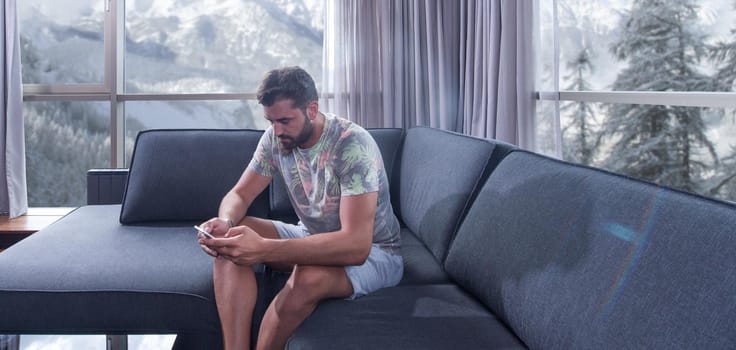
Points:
(178, 46)
(218, 46)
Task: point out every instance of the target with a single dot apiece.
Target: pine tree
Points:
(580, 137)
(59, 151)
(661, 44)
(723, 185)
(724, 55)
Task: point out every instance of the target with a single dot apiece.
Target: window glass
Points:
(688, 148)
(218, 46)
(62, 42)
(150, 341)
(62, 342)
(545, 54)
(631, 45)
(545, 130)
(63, 140)
(144, 115)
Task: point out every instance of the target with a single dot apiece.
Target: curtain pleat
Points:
(13, 194)
(455, 65)
(9, 342)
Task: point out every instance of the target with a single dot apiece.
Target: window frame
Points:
(113, 87)
(669, 98)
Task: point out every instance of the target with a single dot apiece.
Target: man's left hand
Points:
(241, 245)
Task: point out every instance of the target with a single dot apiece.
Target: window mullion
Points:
(114, 78)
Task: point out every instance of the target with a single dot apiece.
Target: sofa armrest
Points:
(106, 186)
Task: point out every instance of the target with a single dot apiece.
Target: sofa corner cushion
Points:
(420, 266)
(440, 316)
(610, 261)
(439, 171)
(181, 175)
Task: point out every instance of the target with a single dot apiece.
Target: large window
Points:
(97, 72)
(643, 88)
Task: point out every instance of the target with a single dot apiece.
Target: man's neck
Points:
(319, 126)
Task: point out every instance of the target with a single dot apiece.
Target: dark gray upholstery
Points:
(87, 273)
(439, 171)
(432, 199)
(183, 174)
(106, 186)
(420, 266)
(438, 316)
(572, 257)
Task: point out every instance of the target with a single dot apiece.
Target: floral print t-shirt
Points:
(344, 162)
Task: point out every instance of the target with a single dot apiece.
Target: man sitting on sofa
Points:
(346, 243)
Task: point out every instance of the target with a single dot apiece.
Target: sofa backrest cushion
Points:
(574, 257)
(182, 175)
(388, 141)
(439, 171)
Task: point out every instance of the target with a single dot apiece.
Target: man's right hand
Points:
(217, 227)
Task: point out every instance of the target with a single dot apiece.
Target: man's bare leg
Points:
(235, 296)
(236, 292)
(307, 286)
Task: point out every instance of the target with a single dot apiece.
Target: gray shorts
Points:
(381, 269)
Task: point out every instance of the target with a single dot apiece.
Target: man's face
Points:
(290, 125)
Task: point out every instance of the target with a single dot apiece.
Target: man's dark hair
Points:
(291, 83)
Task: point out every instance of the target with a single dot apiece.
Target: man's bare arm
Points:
(237, 201)
(234, 205)
(348, 246)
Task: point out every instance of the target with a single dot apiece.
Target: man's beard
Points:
(300, 139)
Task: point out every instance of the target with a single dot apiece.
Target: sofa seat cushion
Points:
(420, 266)
(406, 317)
(86, 273)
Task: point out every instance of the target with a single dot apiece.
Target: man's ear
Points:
(313, 110)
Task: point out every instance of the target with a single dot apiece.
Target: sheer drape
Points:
(498, 90)
(13, 195)
(457, 65)
(9, 342)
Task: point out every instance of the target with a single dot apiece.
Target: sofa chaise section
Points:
(88, 274)
(134, 267)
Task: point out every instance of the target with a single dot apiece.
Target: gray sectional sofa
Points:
(503, 248)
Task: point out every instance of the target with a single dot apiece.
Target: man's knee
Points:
(226, 269)
(307, 286)
(306, 283)
(311, 284)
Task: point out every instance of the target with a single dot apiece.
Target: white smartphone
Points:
(205, 233)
